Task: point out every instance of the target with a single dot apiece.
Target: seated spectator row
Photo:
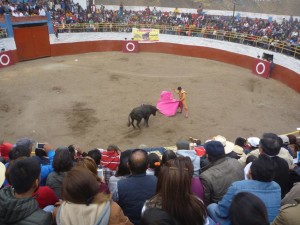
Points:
(252, 181)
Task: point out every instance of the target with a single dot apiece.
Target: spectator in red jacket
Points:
(5, 148)
(110, 161)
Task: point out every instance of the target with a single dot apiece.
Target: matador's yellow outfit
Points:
(182, 98)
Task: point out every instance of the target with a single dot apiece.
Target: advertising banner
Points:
(147, 35)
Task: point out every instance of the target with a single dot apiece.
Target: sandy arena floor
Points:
(85, 100)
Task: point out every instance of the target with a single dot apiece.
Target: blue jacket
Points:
(194, 157)
(47, 169)
(133, 192)
(268, 192)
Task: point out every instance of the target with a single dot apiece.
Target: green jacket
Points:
(21, 211)
(218, 176)
(288, 214)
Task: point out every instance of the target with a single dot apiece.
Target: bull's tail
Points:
(129, 122)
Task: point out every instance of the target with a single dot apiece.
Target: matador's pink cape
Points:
(166, 104)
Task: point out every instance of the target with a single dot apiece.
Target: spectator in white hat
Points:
(2, 174)
(285, 143)
(283, 153)
(253, 143)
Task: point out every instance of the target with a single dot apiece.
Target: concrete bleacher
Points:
(274, 7)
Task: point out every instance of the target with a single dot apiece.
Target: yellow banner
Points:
(145, 34)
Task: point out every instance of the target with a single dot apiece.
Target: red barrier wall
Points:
(280, 73)
(84, 47)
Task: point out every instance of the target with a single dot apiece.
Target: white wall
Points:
(83, 3)
(280, 59)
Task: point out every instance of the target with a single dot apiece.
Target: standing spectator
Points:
(121, 9)
(84, 204)
(220, 173)
(55, 29)
(42, 11)
(62, 163)
(133, 191)
(63, 5)
(17, 206)
(260, 184)
(247, 209)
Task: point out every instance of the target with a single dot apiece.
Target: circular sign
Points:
(130, 46)
(6, 62)
(263, 69)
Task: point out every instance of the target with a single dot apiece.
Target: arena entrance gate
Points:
(32, 41)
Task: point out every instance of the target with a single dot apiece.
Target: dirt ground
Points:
(85, 100)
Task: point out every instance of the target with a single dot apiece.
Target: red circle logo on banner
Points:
(130, 46)
(4, 60)
(260, 68)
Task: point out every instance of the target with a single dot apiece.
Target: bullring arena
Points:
(82, 94)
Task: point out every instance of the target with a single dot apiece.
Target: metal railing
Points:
(222, 35)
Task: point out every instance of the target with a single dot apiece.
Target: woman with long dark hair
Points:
(248, 209)
(84, 204)
(173, 194)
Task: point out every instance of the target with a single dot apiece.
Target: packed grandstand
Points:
(248, 181)
(282, 37)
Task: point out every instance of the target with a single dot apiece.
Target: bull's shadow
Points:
(132, 133)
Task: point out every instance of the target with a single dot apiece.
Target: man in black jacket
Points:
(137, 188)
(17, 206)
(270, 145)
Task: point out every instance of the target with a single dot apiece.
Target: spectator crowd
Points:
(253, 181)
(242, 29)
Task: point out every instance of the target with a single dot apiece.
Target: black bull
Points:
(141, 112)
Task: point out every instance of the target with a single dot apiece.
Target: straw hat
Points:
(228, 146)
(2, 173)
